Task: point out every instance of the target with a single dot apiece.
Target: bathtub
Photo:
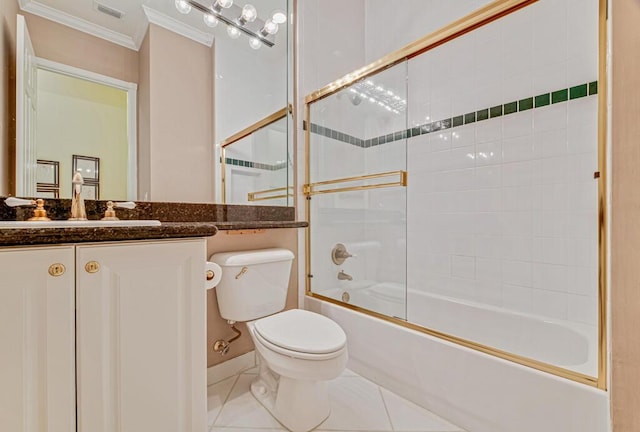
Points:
(480, 392)
(560, 343)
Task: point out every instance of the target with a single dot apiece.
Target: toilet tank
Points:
(254, 283)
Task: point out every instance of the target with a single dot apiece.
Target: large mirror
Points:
(147, 99)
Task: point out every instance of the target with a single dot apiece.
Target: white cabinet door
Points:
(141, 337)
(37, 336)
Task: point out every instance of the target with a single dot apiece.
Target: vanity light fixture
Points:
(238, 19)
(210, 20)
(183, 6)
(279, 17)
(233, 32)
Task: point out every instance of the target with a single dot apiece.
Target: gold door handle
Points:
(57, 269)
(92, 267)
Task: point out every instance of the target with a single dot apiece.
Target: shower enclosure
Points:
(456, 187)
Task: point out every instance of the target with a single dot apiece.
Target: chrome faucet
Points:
(344, 276)
(78, 211)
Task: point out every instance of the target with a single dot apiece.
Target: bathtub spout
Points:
(344, 276)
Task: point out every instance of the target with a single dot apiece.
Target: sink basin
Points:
(77, 224)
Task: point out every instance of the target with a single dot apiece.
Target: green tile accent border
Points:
(510, 108)
(495, 111)
(542, 100)
(469, 118)
(559, 96)
(525, 104)
(578, 91)
(256, 165)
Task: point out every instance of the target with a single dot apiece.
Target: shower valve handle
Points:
(339, 254)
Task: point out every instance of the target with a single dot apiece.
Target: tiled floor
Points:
(356, 405)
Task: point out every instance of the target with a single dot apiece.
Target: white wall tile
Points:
(517, 273)
(463, 266)
(583, 309)
(551, 277)
(550, 304)
(517, 298)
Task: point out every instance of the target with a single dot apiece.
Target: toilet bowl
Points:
(297, 351)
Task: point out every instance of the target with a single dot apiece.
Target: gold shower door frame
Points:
(483, 16)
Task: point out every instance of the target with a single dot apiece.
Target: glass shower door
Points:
(357, 193)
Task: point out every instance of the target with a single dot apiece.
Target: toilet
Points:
(297, 351)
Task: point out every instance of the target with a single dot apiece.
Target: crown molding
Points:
(178, 27)
(44, 11)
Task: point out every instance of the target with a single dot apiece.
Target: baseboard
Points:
(231, 367)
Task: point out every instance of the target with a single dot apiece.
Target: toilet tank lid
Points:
(242, 258)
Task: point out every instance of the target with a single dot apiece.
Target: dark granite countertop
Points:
(33, 236)
(178, 220)
(249, 225)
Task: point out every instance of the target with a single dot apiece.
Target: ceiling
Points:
(129, 31)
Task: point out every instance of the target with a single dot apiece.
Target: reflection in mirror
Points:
(256, 165)
(191, 87)
(82, 125)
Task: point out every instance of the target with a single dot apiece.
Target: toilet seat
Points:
(301, 334)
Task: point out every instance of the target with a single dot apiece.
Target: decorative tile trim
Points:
(539, 101)
(256, 165)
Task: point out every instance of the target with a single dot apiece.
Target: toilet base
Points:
(299, 405)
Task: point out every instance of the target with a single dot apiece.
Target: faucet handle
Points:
(110, 213)
(19, 202)
(126, 204)
(39, 213)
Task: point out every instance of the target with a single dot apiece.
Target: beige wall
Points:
(8, 11)
(625, 225)
(144, 119)
(62, 44)
(217, 328)
(180, 118)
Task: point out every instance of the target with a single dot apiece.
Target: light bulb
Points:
(233, 32)
(210, 20)
(183, 6)
(270, 27)
(224, 3)
(255, 43)
(249, 13)
(279, 17)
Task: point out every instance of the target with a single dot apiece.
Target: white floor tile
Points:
(242, 410)
(216, 396)
(409, 417)
(356, 405)
(349, 373)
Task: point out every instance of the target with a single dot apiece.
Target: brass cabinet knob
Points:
(92, 267)
(57, 269)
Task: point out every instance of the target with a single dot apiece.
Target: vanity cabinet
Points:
(37, 338)
(130, 357)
